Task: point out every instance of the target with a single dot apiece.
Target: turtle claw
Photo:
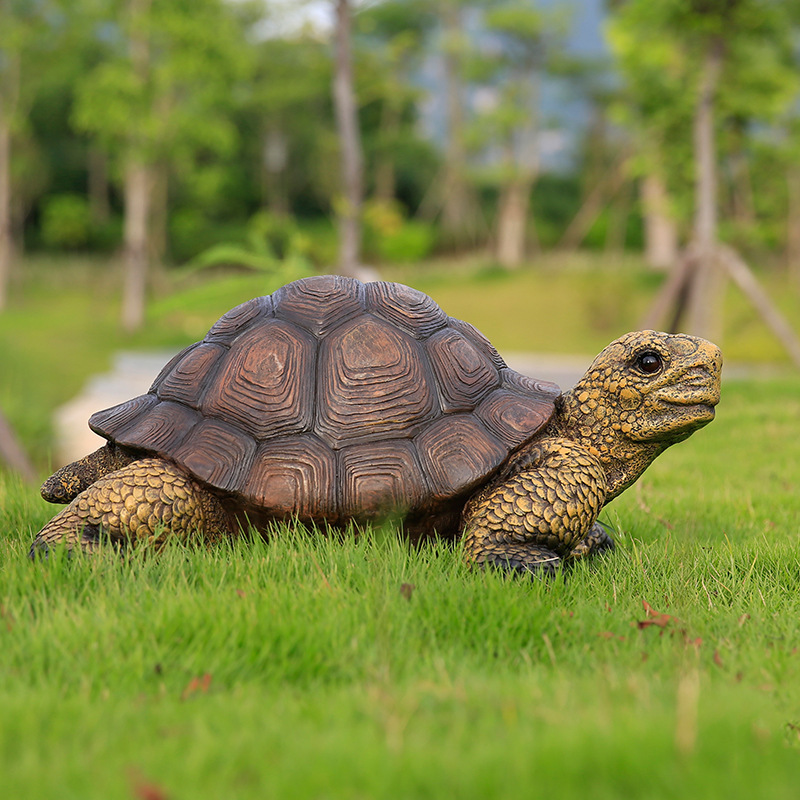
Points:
(532, 562)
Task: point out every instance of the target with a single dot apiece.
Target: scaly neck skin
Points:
(646, 391)
(582, 417)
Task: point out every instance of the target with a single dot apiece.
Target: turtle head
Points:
(644, 392)
(654, 387)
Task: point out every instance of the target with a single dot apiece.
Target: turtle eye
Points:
(649, 362)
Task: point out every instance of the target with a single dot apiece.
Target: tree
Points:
(160, 95)
(689, 68)
(29, 33)
(290, 103)
(352, 161)
(524, 42)
(452, 196)
(392, 35)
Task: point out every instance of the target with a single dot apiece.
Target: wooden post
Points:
(672, 295)
(742, 276)
(661, 233)
(705, 292)
(603, 191)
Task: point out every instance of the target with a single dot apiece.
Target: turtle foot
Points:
(71, 533)
(596, 542)
(521, 560)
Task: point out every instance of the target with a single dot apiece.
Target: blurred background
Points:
(557, 173)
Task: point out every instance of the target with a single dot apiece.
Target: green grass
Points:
(299, 667)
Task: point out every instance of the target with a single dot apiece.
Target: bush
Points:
(66, 222)
(388, 236)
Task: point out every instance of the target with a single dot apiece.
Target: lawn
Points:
(359, 668)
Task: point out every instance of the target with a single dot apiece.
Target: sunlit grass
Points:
(357, 667)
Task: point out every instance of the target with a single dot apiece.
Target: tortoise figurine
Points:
(333, 401)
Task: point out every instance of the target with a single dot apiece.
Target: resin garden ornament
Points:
(333, 401)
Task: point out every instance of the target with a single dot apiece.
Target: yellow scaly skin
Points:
(542, 508)
(146, 501)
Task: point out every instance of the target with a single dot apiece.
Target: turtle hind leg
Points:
(149, 500)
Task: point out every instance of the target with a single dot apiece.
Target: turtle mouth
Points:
(695, 391)
(703, 410)
(694, 412)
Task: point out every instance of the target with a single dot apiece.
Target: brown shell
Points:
(332, 399)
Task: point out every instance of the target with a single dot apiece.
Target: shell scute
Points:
(465, 374)
(381, 478)
(265, 385)
(157, 427)
(372, 383)
(530, 386)
(294, 476)
(110, 421)
(238, 319)
(457, 453)
(217, 453)
(321, 303)
(479, 340)
(191, 374)
(407, 308)
(513, 417)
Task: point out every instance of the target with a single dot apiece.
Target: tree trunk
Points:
(158, 219)
(793, 226)
(705, 295)
(618, 213)
(138, 187)
(275, 159)
(385, 174)
(746, 281)
(457, 202)
(512, 223)
(661, 234)
(6, 241)
(743, 205)
(99, 204)
(602, 193)
(137, 211)
(344, 101)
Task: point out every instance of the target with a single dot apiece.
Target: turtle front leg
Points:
(537, 510)
(148, 500)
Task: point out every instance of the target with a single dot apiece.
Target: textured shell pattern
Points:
(332, 399)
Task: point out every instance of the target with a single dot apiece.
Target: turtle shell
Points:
(332, 399)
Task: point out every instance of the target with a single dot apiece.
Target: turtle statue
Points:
(334, 401)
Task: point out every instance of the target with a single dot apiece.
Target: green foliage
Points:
(66, 221)
(165, 81)
(659, 47)
(274, 245)
(392, 238)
